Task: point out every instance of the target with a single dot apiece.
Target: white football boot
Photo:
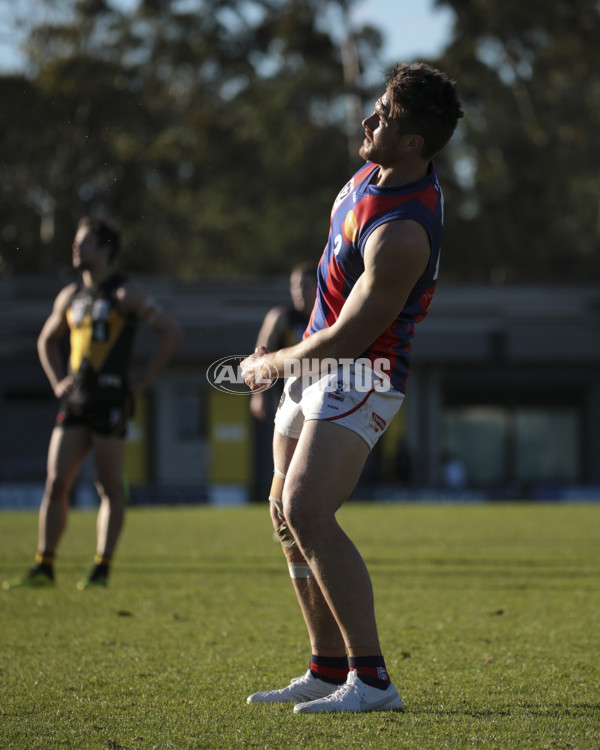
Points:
(305, 688)
(354, 696)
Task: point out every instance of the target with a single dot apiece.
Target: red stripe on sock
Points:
(332, 672)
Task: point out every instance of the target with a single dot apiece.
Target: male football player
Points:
(375, 279)
(101, 312)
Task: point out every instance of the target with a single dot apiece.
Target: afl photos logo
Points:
(225, 375)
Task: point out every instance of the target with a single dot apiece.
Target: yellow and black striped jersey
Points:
(101, 336)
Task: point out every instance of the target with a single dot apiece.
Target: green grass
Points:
(489, 618)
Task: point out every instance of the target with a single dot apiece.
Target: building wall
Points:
(499, 378)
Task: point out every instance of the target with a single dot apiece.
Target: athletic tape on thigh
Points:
(282, 534)
(277, 503)
(300, 570)
(277, 489)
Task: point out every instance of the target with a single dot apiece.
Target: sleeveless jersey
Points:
(101, 339)
(359, 208)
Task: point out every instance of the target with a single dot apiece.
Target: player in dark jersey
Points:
(101, 344)
(101, 312)
(283, 326)
(346, 380)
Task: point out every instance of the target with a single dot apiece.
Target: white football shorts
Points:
(355, 397)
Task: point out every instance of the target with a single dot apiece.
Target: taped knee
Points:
(276, 501)
(300, 570)
(282, 535)
(277, 489)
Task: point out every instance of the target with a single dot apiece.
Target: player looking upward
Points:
(100, 311)
(376, 279)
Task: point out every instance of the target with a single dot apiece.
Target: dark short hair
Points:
(105, 234)
(424, 101)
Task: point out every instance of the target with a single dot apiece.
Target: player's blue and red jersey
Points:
(360, 207)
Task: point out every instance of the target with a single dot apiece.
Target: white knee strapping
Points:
(300, 570)
(282, 534)
(277, 503)
(277, 500)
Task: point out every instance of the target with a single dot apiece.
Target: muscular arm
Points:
(48, 342)
(135, 301)
(396, 256)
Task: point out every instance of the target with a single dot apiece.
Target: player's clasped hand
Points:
(256, 370)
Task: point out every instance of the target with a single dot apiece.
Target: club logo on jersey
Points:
(344, 193)
(100, 313)
(100, 309)
(77, 312)
(350, 226)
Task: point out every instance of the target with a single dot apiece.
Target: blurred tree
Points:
(216, 131)
(213, 131)
(523, 204)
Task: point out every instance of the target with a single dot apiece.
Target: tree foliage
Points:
(216, 133)
(213, 131)
(529, 75)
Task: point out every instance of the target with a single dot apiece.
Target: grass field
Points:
(489, 618)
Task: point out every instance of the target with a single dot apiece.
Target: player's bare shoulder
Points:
(401, 233)
(131, 297)
(135, 300)
(276, 315)
(273, 326)
(398, 244)
(63, 298)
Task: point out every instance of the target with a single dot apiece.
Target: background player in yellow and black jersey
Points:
(282, 326)
(100, 312)
(101, 335)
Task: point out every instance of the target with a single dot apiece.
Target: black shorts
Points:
(104, 416)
